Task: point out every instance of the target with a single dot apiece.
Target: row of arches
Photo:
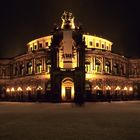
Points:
(93, 90)
(33, 66)
(23, 68)
(108, 66)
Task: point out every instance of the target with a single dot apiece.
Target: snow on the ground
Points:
(66, 121)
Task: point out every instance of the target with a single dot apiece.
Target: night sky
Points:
(22, 21)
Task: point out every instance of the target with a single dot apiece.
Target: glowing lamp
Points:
(117, 88)
(125, 88)
(12, 89)
(130, 89)
(39, 88)
(97, 88)
(7, 90)
(19, 89)
(28, 89)
(108, 88)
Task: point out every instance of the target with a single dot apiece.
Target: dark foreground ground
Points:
(93, 121)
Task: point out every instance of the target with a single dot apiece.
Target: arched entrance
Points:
(67, 89)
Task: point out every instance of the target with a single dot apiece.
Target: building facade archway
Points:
(67, 89)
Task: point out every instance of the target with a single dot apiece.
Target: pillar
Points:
(111, 65)
(33, 66)
(94, 61)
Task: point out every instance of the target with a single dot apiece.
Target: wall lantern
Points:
(130, 89)
(12, 89)
(117, 88)
(7, 90)
(97, 88)
(19, 89)
(28, 89)
(108, 88)
(125, 88)
(39, 88)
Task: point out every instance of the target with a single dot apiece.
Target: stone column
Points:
(43, 65)
(77, 58)
(19, 67)
(13, 69)
(124, 68)
(33, 66)
(111, 65)
(102, 64)
(94, 62)
(100, 44)
(25, 67)
(91, 65)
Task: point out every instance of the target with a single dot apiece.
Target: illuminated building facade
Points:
(69, 65)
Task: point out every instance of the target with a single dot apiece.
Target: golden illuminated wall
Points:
(67, 82)
(39, 43)
(18, 86)
(67, 52)
(104, 63)
(97, 42)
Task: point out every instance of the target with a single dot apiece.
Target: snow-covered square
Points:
(66, 121)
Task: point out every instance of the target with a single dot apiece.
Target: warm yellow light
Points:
(90, 76)
(12, 89)
(130, 89)
(96, 88)
(65, 84)
(28, 88)
(108, 88)
(117, 88)
(61, 64)
(19, 89)
(99, 40)
(63, 93)
(72, 92)
(125, 88)
(7, 90)
(47, 75)
(39, 88)
(67, 16)
(42, 39)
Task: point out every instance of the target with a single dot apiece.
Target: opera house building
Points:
(69, 65)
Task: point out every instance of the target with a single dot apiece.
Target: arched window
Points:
(29, 68)
(15, 71)
(3, 72)
(121, 69)
(38, 66)
(21, 71)
(135, 70)
(87, 66)
(115, 69)
(107, 67)
(48, 66)
(97, 65)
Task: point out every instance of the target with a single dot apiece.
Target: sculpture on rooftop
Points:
(67, 21)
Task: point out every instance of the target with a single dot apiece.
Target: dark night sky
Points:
(22, 21)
